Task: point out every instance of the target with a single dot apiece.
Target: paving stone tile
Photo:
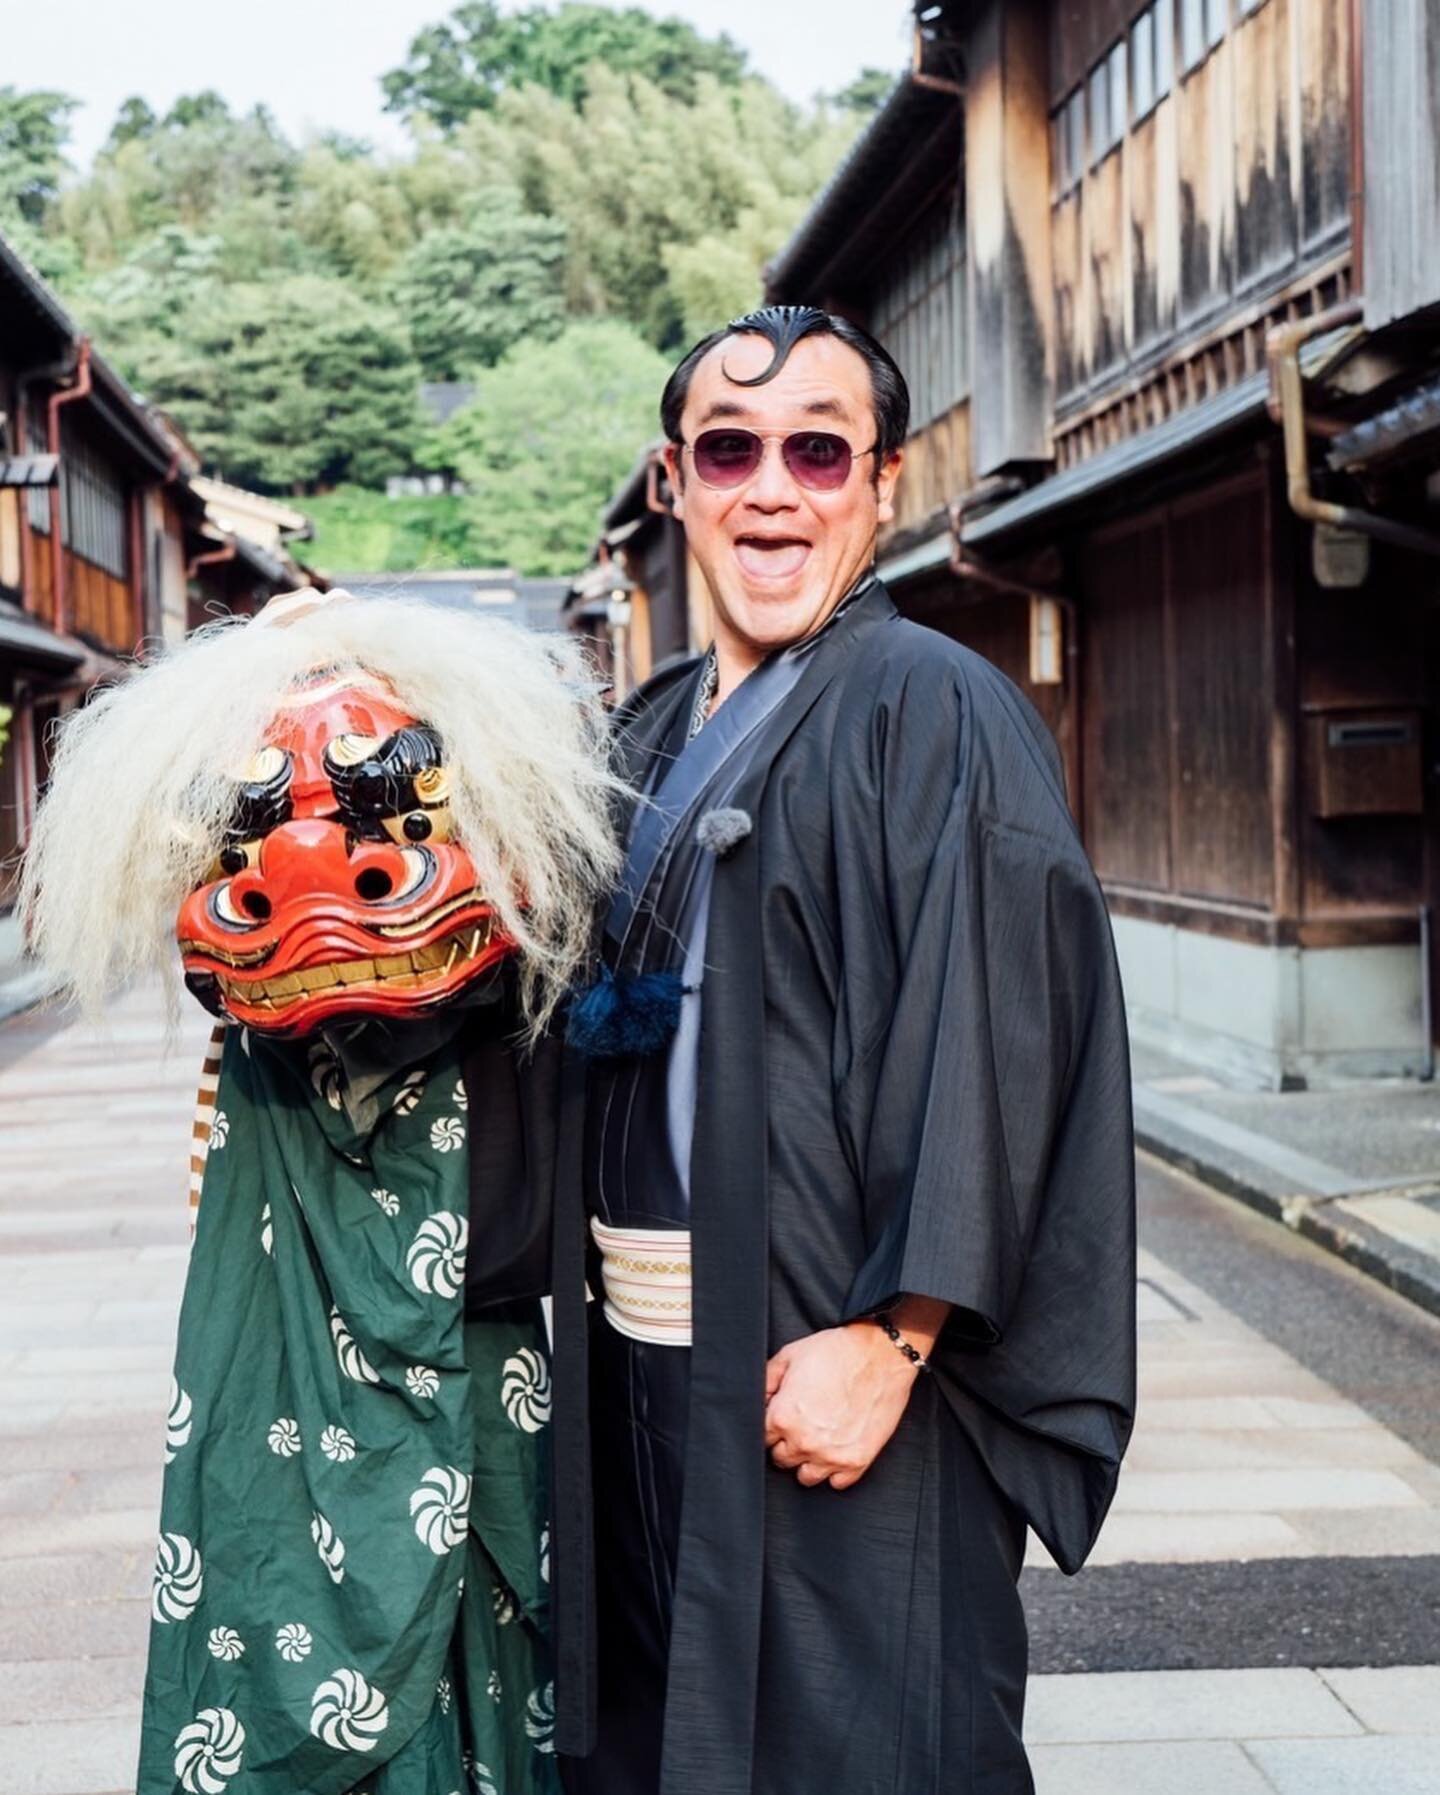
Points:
(1403, 1700)
(1124, 1706)
(1264, 1373)
(1204, 1413)
(125, 1529)
(1373, 1533)
(78, 1757)
(1371, 1448)
(1291, 1412)
(1369, 1766)
(95, 1577)
(32, 1492)
(71, 1689)
(1270, 1491)
(1211, 1768)
(1193, 1538)
(119, 1629)
(51, 1446)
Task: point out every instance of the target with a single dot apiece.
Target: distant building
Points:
(498, 591)
(439, 401)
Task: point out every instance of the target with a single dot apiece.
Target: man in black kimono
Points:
(856, 1155)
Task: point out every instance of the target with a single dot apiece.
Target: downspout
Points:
(212, 558)
(1357, 148)
(1282, 350)
(22, 509)
(66, 396)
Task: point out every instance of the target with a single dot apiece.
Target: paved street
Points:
(1263, 1616)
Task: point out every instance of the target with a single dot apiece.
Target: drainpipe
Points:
(212, 558)
(1282, 349)
(66, 396)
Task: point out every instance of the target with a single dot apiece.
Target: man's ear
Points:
(675, 474)
(885, 485)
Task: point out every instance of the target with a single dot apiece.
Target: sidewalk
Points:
(1356, 1170)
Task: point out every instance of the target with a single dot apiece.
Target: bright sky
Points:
(317, 63)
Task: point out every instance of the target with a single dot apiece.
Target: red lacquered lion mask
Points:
(339, 890)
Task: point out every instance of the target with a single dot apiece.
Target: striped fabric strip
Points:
(204, 1116)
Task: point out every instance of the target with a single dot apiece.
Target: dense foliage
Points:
(587, 190)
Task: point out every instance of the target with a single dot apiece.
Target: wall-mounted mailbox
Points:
(1366, 764)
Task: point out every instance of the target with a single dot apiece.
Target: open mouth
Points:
(771, 557)
(414, 971)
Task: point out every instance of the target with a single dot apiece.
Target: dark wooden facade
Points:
(1246, 704)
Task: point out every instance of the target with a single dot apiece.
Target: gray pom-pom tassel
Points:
(720, 832)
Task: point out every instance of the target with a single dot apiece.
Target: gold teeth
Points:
(396, 972)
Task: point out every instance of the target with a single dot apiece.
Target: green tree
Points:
(635, 176)
(471, 294)
(34, 128)
(551, 432)
(867, 93)
(135, 120)
(205, 108)
(462, 65)
(291, 384)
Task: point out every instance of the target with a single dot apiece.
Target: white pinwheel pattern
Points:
(179, 1578)
(325, 1074)
(447, 1134)
(338, 1444)
(422, 1380)
(461, 1095)
(492, 1686)
(545, 1555)
(208, 1751)
(503, 1603)
(226, 1644)
(346, 1712)
(178, 1422)
(283, 1438)
(436, 1259)
(407, 1098)
(352, 1361)
(329, 1545)
(540, 1718)
(267, 1232)
(440, 1508)
(484, 1779)
(525, 1390)
(294, 1642)
(442, 1694)
(387, 1200)
(219, 1131)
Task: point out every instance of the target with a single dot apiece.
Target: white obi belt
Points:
(647, 1279)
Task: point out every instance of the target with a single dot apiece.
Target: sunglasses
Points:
(816, 459)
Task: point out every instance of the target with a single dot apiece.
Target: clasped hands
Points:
(834, 1399)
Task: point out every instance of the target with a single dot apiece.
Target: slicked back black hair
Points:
(783, 326)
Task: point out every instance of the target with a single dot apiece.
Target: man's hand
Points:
(834, 1399)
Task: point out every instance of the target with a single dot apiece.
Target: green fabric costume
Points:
(351, 1580)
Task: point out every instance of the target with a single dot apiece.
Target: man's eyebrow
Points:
(733, 408)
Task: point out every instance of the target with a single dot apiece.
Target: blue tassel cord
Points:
(627, 1017)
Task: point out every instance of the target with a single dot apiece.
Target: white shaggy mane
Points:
(141, 786)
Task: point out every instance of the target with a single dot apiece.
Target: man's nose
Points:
(772, 486)
(315, 858)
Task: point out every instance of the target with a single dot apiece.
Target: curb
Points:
(1406, 1272)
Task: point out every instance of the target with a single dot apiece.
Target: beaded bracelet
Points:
(900, 1343)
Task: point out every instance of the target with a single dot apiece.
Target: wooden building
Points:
(1162, 278)
(105, 545)
(1121, 252)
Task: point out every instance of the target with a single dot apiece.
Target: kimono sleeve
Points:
(999, 1167)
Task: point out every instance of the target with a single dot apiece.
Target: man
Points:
(856, 1151)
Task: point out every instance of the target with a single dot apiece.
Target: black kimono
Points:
(912, 1079)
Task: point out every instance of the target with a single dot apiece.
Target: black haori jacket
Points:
(913, 1078)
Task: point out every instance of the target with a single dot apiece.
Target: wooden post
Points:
(1007, 194)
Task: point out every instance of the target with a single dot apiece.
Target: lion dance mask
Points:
(341, 889)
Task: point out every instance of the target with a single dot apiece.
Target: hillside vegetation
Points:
(586, 190)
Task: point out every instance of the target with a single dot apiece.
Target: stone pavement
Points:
(1248, 1468)
(1356, 1169)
